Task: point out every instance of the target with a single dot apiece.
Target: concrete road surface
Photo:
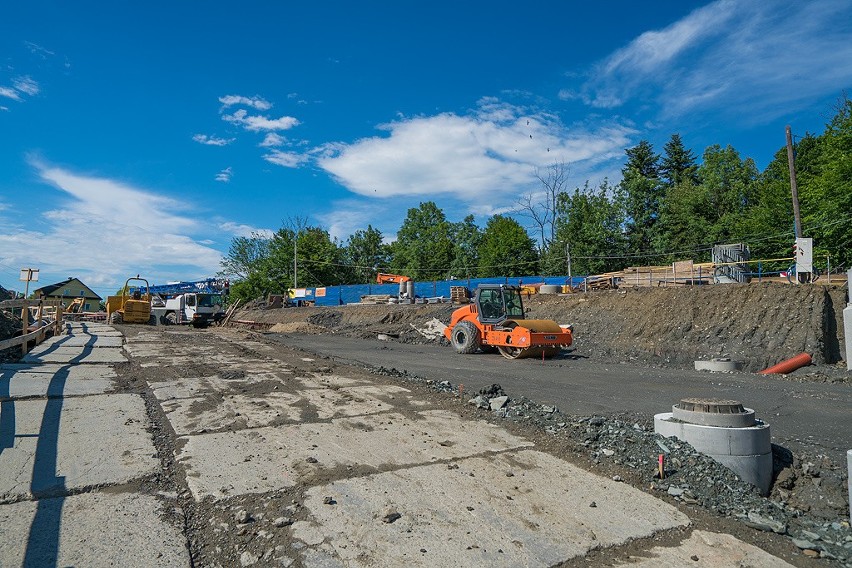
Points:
(267, 459)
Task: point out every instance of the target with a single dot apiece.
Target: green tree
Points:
(466, 237)
(685, 221)
(320, 260)
(589, 221)
(767, 224)
(265, 265)
(423, 249)
(729, 184)
(366, 254)
(826, 187)
(244, 255)
(640, 193)
(678, 163)
(506, 249)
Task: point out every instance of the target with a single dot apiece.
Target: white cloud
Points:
(225, 175)
(36, 49)
(271, 140)
(258, 123)
(113, 228)
(23, 85)
(350, 215)
(285, 159)
(10, 93)
(253, 102)
(490, 154)
(755, 59)
(26, 85)
(241, 230)
(212, 140)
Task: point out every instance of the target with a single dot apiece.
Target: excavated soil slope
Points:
(759, 324)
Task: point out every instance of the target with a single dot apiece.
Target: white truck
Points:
(199, 310)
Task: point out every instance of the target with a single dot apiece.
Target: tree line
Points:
(668, 206)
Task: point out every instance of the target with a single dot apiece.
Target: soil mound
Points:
(758, 324)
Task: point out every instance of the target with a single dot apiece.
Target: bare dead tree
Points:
(540, 206)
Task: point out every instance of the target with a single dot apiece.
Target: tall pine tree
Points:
(678, 163)
(640, 194)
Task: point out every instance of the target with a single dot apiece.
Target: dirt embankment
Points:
(759, 324)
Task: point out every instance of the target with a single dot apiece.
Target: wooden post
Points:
(828, 267)
(40, 336)
(59, 318)
(25, 316)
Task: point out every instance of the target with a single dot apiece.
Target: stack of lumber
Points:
(683, 273)
(375, 299)
(458, 295)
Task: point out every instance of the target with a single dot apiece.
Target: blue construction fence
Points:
(351, 294)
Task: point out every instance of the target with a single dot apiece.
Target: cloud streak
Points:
(112, 228)
(258, 123)
(225, 175)
(212, 140)
(754, 59)
(258, 103)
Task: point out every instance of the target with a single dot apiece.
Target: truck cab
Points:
(197, 309)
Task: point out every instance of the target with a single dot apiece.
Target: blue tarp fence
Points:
(351, 294)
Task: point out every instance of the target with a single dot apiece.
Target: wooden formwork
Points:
(683, 273)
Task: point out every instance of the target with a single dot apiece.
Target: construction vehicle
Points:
(131, 307)
(382, 278)
(75, 307)
(198, 302)
(496, 320)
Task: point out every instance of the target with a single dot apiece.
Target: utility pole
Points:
(295, 265)
(568, 258)
(797, 219)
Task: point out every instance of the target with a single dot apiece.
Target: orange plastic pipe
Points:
(789, 365)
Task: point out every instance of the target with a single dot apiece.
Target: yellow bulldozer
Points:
(131, 308)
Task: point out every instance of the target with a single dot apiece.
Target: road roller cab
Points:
(496, 319)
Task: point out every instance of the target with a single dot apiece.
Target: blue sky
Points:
(143, 138)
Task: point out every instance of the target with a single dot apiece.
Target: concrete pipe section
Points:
(725, 431)
(719, 365)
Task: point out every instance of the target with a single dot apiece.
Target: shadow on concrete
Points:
(86, 349)
(43, 538)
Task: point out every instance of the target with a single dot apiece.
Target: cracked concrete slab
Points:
(705, 549)
(216, 412)
(73, 355)
(78, 341)
(193, 387)
(523, 508)
(264, 459)
(197, 405)
(73, 372)
(355, 401)
(28, 385)
(91, 529)
(66, 444)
